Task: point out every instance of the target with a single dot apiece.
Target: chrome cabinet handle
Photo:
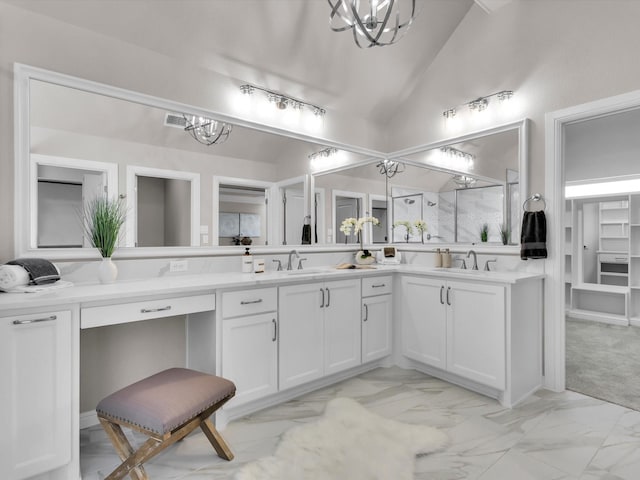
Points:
(249, 302)
(275, 330)
(35, 320)
(441, 290)
(322, 303)
(378, 285)
(366, 312)
(448, 299)
(328, 296)
(151, 310)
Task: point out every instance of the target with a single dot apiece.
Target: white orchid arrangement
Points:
(420, 225)
(357, 224)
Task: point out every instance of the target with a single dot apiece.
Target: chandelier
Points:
(389, 168)
(206, 130)
(375, 23)
(464, 181)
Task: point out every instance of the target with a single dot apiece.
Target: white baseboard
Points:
(88, 419)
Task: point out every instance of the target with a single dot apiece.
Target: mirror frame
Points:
(521, 126)
(23, 194)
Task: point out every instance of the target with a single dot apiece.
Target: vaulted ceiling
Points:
(283, 45)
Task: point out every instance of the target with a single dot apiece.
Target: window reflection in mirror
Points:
(163, 207)
(61, 187)
(164, 212)
(243, 215)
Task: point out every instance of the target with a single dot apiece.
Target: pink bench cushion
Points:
(166, 400)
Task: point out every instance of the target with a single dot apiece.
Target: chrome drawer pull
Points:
(249, 302)
(151, 310)
(379, 285)
(35, 320)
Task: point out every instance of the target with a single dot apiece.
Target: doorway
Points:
(593, 328)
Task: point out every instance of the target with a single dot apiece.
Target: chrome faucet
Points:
(291, 253)
(475, 259)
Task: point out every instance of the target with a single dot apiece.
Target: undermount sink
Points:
(304, 271)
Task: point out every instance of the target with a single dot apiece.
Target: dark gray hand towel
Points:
(306, 234)
(40, 270)
(533, 236)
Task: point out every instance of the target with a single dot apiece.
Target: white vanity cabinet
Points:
(250, 342)
(319, 330)
(483, 332)
(36, 398)
(377, 312)
(456, 326)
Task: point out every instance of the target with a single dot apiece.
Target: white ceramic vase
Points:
(360, 260)
(107, 271)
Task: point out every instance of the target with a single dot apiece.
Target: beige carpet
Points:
(603, 361)
(348, 442)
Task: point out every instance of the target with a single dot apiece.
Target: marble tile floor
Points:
(551, 436)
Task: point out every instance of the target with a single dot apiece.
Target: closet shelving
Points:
(613, 250)
(634, 259)
(568, 246)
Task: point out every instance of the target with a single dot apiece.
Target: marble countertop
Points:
(183, 285)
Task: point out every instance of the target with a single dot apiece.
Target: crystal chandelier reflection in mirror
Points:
(374, 23)
(389, 168)
(206, 130)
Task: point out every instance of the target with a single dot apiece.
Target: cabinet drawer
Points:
(145, 310)
(613, 258)
(376, 285)
(249, 302)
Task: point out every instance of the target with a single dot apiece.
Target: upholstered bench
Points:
(166, 407)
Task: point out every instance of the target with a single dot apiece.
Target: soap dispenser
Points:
(446, 258)
(438, 260)
(247, 261)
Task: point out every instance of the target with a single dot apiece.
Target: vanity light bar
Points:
(283, 101)
(454, 152)
(480, 103)
(325, 152)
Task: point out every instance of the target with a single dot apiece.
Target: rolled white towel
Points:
(12, 276)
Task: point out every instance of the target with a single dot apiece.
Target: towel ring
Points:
(536, 197)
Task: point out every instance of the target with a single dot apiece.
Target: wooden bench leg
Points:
(123, 448)
(221, 447)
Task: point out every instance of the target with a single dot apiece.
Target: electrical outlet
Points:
(178, 266)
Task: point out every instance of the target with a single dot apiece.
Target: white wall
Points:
(552, 53)
(40, 41)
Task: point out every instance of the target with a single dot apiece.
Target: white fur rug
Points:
(348, 442)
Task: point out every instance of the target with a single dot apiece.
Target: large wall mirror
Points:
(456, 187)
(77, 139)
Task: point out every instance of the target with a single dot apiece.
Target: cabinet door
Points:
(35, 398)
(424, 328)
(476, 340)
(250, 356)
(342, 337)
(376, 327)
(301, 334)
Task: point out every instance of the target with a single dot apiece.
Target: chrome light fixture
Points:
(390, 167)
(282, 101)
(480, 103)
(206, 130)
(374, 23)
(324, 153)
(464, 181)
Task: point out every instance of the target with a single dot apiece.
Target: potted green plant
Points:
(505, 234)
(484, 232)
(102, 219)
